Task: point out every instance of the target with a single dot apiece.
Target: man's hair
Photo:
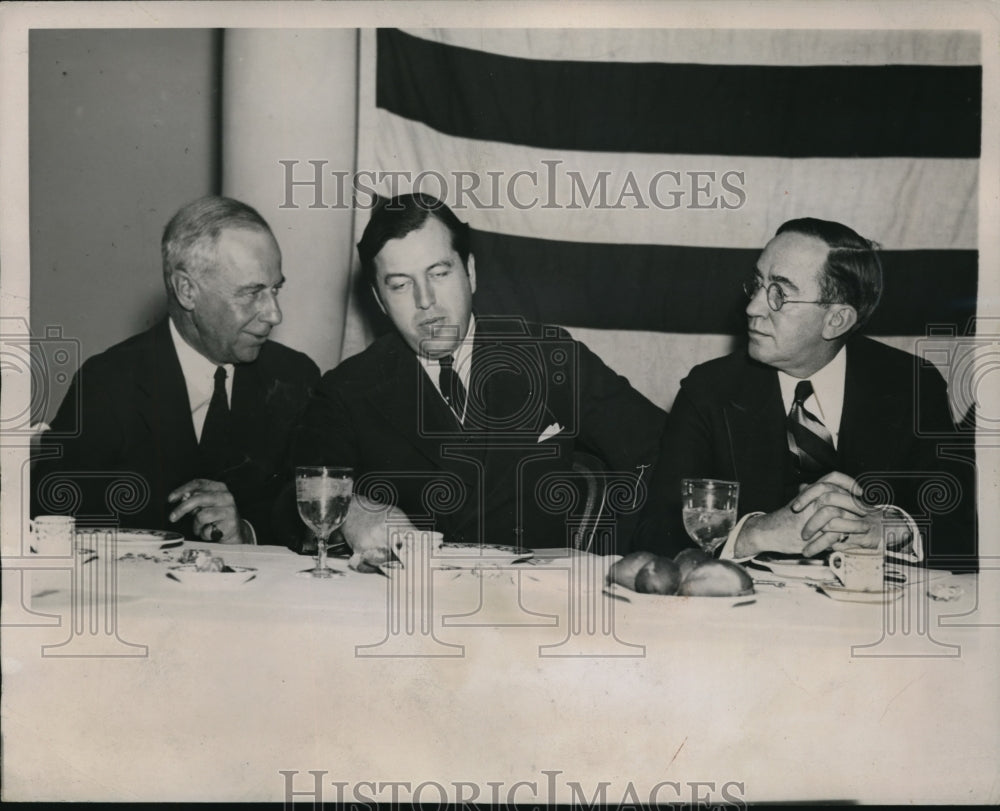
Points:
(852, 273)
(394, 218)
(189, 239)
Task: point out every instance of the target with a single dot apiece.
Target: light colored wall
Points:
(128, 125)
(123, 131)
(291, 95)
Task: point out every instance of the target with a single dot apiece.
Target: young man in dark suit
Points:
(467, 424)
(809, 408)
(186, 426)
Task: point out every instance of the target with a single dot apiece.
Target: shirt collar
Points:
(462, 355)
(827, 401)
(198, 371)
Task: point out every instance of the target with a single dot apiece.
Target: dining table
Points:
(484, 676)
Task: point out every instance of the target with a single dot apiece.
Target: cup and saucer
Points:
(859, 577)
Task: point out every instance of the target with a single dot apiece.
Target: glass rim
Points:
(301, 470)
(711, 483)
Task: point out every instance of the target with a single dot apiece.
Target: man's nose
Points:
(271, 311)
(757, 306)
(423, 295)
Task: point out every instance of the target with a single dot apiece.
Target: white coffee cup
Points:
(52, 535)
(859, 569)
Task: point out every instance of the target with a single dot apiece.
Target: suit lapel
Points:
(867, 409)
(756, 425)
(251, 418)
(162, 402)
(407, 399)
(513, 456)
(513, 406)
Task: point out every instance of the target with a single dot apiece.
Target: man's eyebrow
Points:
(785, 281)
(253, 288)
(447, 262)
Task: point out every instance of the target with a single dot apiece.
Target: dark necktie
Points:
(808, 438)
(216, 433)
(451, 386)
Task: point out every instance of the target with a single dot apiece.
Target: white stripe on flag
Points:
(902, 203)
(718, 46)
(654, 362)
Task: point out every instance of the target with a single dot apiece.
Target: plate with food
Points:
(795, 567)
(129, 540)
(618, 593)
(203, 570)
(887, 595)
(480, 555)
(642, 576)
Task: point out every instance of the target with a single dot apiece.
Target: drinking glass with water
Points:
(323, 495)
(708, 507)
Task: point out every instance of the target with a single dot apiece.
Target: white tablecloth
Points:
(527, 684)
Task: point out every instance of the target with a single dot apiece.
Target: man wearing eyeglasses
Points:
(810, 409)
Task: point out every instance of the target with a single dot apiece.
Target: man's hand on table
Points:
(372, 528)
(779, 531)
(837, 509)
(213, 511)
(825, 515)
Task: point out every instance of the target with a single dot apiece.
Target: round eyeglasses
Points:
(774, 294)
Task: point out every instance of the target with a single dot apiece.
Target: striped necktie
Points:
(808, 438)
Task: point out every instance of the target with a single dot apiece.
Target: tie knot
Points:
(803, 391)
(220, 375)
(447, 362)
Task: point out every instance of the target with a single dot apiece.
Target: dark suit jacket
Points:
(490, 479)
(126, 438)
(728, 422)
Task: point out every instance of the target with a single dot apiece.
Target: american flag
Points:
(621, 183)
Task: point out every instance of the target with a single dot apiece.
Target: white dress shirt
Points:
(827, 404)
(462, 365)
(199, 377)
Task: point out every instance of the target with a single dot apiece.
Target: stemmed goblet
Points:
(708, 507)
(323, 495)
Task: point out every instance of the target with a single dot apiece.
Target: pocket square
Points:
(550, 432)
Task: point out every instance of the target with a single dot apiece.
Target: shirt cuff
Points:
(249, 530)
(730, 545)
(916, 553)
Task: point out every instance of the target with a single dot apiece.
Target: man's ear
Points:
(184, 289)
(378, 300)
(470, 268)
(840, 319)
